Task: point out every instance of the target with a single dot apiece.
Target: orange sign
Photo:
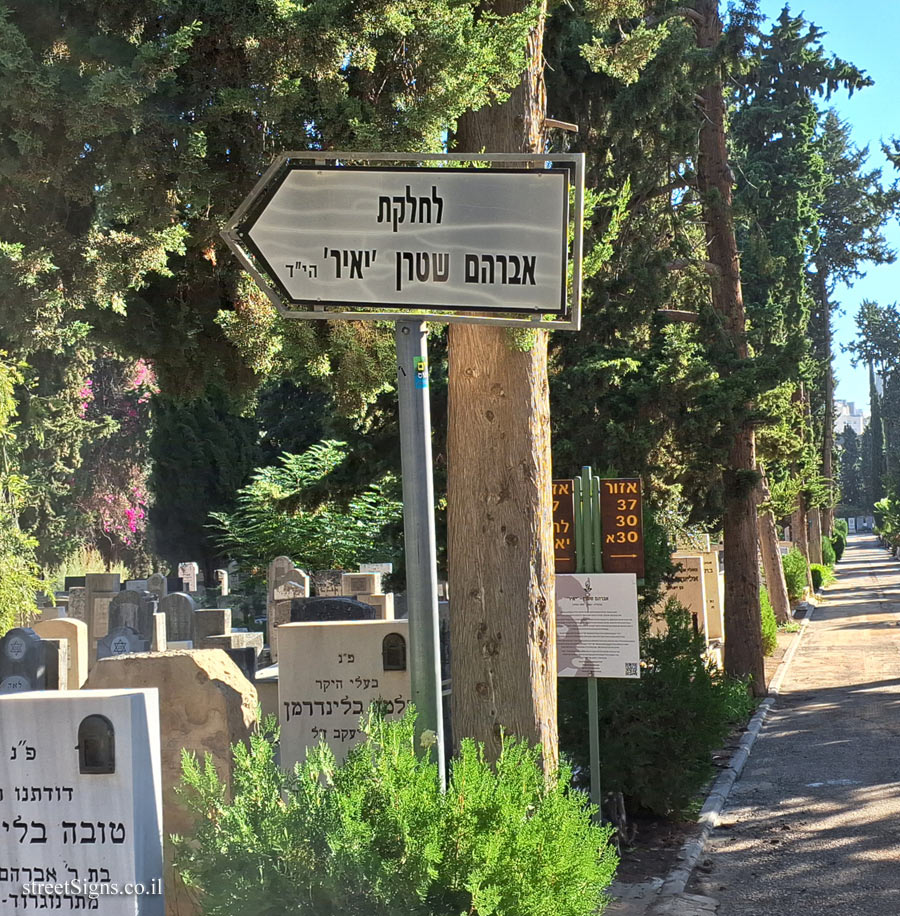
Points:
(623, 528)
(564, 525)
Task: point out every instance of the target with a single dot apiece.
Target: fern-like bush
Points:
(838, 545)
(287, 510)
(769, 624)
(821, 575)
(829, 554)
(842, 527)
(794, 574)
(375, 836)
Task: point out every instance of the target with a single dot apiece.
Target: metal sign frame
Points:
(569, 319)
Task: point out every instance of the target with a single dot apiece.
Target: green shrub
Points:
(657, 733)
(821, 575)
(794, 574)
(838, 545)
(375, 836)
(829, 557)
(842, 527)
(769, 624)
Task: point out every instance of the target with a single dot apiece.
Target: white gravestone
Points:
(80, 811)
(190, 573)
(329, 674)
(689, 587)
(714, 586)
(597, 625)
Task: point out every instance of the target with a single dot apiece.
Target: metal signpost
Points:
(411, 238)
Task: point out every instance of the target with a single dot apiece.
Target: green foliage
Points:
(18, 568)
(841, 526)
(288, 510)
(202, 454)
(838, 545)
(769, 625)
(375, 836)
(829, 554)
(794, 574)
(658, 768)
(821, 575)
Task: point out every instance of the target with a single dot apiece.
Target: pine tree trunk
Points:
(815, 535)
(828, 429)
(743, 635)
(771, 558)
(500, 526)
(800, 533)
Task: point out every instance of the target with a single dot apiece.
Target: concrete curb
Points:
(678, 877)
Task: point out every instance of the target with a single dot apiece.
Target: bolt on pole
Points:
(420, 542)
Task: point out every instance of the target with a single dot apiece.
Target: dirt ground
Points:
(658, 840)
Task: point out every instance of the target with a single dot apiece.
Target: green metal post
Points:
(579, 534)
(597, 534)
(594, 745)
(587, 528)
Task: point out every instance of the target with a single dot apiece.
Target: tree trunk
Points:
(815, 535)
(828, 428)
(743, 635)
(800, 534)
(500, 525)
(771, 558)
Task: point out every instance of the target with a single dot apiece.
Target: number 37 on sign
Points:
(622, 523)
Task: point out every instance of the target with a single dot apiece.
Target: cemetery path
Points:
(813, 825)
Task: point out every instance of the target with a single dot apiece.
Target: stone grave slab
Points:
(330, 673)
(209, 622)
(190, 575)
(101, 589)
(122, 641)
(327, 582)
(383, 604)
(75, 633)
(688, 586)
(158, 585)
(361, 584)
(323, 609)
(80, 786)
(178, 608)
(28, 662)
(77, 606)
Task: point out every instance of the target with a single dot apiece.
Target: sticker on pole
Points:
(408, 238)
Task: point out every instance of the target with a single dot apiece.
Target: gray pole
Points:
(418, 530)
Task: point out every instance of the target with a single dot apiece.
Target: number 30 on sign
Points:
(622, 523)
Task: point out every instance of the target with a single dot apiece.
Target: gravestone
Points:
(190, 574)
(158, 585)
(361, 584)
(74, 632)
(236, 639)
(28, 662)
(688, 587)
(132, 609)
(101, 589)
(714, 587)
(221, 577)
(77, 606)
(205, 706)
(380, 568)
(383, 604)
(285, 582)
(74, 582)
(136, 585)
(245, 658)
(327, 582)
(178, 609)
(209, 622)
(323, 609)
(80, 791)
(53, 613)
(122, 641)
(330, 673)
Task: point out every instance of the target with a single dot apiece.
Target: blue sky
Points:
(865, 33)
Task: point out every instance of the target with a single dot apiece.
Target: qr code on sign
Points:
(631, 669)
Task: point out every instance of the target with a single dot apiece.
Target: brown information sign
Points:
(623, 528)
(564, 525)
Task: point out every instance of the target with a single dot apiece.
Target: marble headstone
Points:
(122, 641)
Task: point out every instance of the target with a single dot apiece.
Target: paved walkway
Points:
(813, 825)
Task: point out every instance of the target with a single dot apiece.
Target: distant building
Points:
(846, 413)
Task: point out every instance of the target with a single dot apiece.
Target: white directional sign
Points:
(405, 238)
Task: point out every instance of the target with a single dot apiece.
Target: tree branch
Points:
(685, 12)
